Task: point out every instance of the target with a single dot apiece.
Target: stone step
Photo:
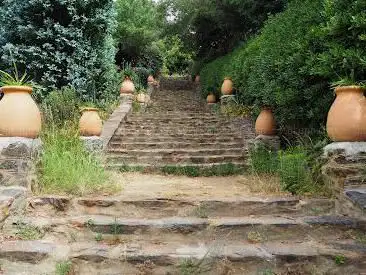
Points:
(200, 136)
(161, 166)
(323, 229)
(169, 139)
(175, 127)
(172, 145)
(175, 258)
(176, 131)
(135, 206)
(114, 158)
(176, 153)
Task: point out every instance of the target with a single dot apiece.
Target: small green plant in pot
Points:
(16, 99)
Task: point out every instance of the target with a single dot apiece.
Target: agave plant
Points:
(6, 79)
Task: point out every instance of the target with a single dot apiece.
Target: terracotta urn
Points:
(265, 124)
(127, 86)
(143, 98)
(19, 114)
(90, 123)
(197, 79)
(347, 116)
(150, 79)
(211, 99)
(227, 87)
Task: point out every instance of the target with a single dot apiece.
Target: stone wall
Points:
(345, 169)
(16, 172)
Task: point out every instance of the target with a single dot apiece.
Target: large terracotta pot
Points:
(90, 123)
(127, 87)
(265, 124)
(150, 79)
(143, 98)
(19, 114)
(211, 99)
(227, 87)
(347, 116)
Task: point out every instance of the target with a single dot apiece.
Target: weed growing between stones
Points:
(194, 171)
(65, 167)
(340, 260)
(200, 211)
(64, 268)
(296, 167)
(193, 267)
(28, 232)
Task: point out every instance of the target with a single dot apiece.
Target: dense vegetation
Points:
(291, 65)
(61, 43)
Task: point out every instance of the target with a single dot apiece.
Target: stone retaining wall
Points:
(345, 169)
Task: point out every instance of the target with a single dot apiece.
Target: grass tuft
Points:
(64, 268)
(194, 171)
(65, 167)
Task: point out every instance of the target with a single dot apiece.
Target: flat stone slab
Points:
(346, 148)
(357, 196)
(32, 251)
(19, 147)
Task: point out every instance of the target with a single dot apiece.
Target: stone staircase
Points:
(154, 232)
(178, 129)
(166, 225)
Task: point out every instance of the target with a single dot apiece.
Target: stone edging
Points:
(112, 124)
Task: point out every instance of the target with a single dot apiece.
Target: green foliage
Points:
(294, 170)
(139, 25)
(194, 171)
(298, 167)
(292, 63)
(14, 79)
(63, 268)
(263, 161)
(62, 43)
(343, 37)
(340, 259)
(212, 28)
(67, 168)
(28, 232)
(61, 106)
(176, 58)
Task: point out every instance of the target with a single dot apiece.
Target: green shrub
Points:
(294, 170)
(62, 43)
(291, 64)
(263, 160)
(61, 106)
(65, 167)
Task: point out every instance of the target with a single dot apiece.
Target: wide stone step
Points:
(114, 158)
(175, 127)
(130, 206)
(176, 153)
(170, 139)
(172, 145)
(175, 258)
(200, 136)
(176, 132)
(323, 229)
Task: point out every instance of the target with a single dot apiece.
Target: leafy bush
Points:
(61, 43)
(292, 62)
(294, 171)
(61, 106)
(263, 161)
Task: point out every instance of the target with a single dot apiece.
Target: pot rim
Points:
(351, 88)
(16, 89)
(228, 78)
(89, 109)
